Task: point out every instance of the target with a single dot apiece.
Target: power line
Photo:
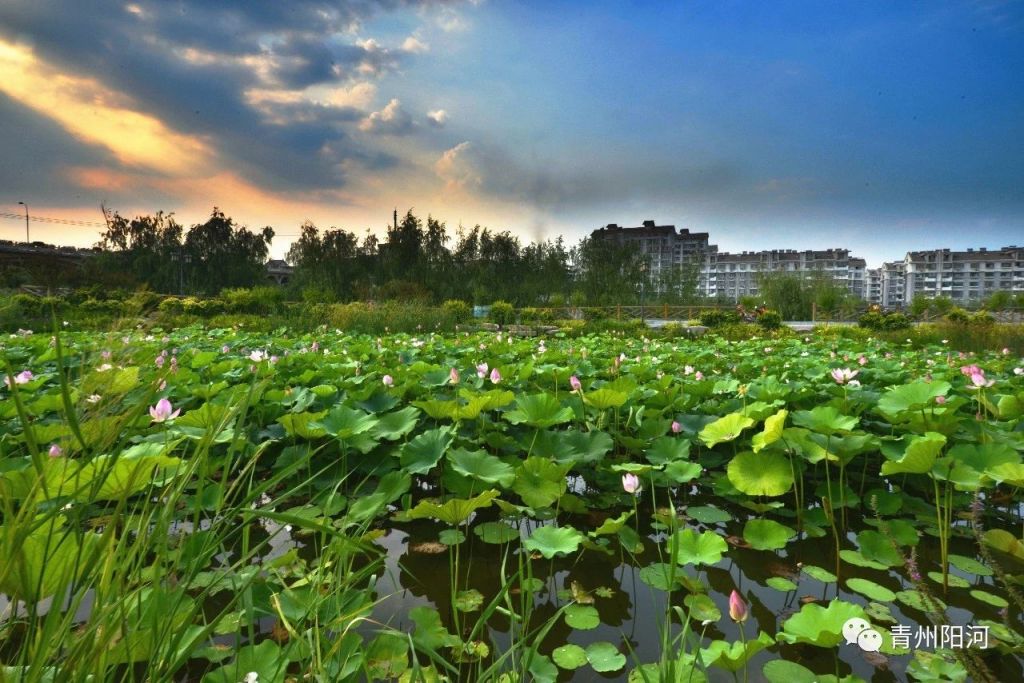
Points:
(59, 221)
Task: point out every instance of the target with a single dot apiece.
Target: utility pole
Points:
(396, 219)
(27, 240)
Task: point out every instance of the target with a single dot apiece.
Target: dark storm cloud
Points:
(191, 62)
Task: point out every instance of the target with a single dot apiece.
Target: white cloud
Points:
(457, 170)
(450, 21)
(414, 45)
(391, 120)
(437, 118)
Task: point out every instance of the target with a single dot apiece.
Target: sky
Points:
(875, 126)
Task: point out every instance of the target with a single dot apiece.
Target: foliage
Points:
(502, 313)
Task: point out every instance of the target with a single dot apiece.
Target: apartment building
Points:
(886, 286)
(663, 247)
(963, 276)
(731, 276)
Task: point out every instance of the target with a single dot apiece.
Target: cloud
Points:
(450, 21)
(414, 45)
(437, 118)
(458, 170)
(391, 120)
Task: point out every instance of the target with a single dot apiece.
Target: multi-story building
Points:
(885, 286)
(662, 246)
(963, 276)
(731, 276)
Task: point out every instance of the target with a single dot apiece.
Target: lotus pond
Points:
(215, 505)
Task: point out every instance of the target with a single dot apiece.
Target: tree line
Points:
(415, 260)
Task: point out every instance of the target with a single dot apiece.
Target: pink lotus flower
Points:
(481, 370)
(940, 399)
(968, 370)
(631, 483)
(688, 370)
(979, 381)
(738, 611)
(161, 412)
(23, 377)
(862, 360)
(1006, 351)
(1018, 371)
(698, 375)
(843, 375)
(105, 355)
(575, 383)
(453, 376)
(388, 380)
(676, 427)
(314, 347)
(495, 376)
(225, 348)
(55, 451)
(257, 356)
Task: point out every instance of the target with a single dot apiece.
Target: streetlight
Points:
(643, 286)
(26, 221)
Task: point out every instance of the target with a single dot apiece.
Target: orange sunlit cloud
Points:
(97, 115)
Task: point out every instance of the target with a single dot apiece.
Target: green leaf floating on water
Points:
(761, 474)
(919, 456)
(539, 410)
(911, 397)
(767, 534)
(725, 429)
(871, 590)
(453, 511)
(582, 617)
(551, 540)
(821, 626)
(540, 482)
(824, 420)
(781, 584)
(605, 657)
(693, 548)
(267, 660)
(569, 656)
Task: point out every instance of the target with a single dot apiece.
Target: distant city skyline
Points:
(881, 128)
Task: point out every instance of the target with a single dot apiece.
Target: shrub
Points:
(172, 305)
(957, 316)
(141, 302)
(261, 300)
(503, 313)
(981, 319)
(459, 310)
(880, 322)
(770, 320)
(718, 316)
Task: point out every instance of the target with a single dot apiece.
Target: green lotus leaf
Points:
(495, 532)
(125, 475)
(782, 671)
(693, 548)
(969, 565)
(725, 429)
(1004, 541)
(438, 410)
(707, 514)
(761, 474)
(820, 626)
(482, 466)
(989, 598)
(304, 425)
(818, 574)
(539, 481)
(605, 657)
(551, 540)
(660, 575)
(767, 534)
(569, 656)
(46, 561)
(773, 429)
(870, 589)
(936, 667)
(667, 449)
(919, 456)
(386, 656)
(584, 447)
(430, 632)
(701, 607)
(393, 426)
(824, 420)
(266, 659)
(469, 600)
(604, 398)
(451, 537)
(539, 410)
(681, 472)
(421, 454)
(781, 584)
(454, 511)
(734, 656)
(911, 397)
(874, 546)
(582, 617)
(612, 524)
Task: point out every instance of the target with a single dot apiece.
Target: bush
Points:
(172, 305)
(459, 310)
(502, 313)
(141, 302)
(981, 319)
(880, 322)
(957, 316)
(719, 316)
(770, 320)
(260, 300)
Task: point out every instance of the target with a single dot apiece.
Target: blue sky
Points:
(875, 126)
